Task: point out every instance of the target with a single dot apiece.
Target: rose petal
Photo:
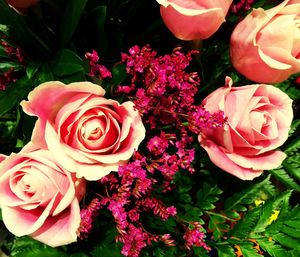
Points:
(61, 229)
(220, 159)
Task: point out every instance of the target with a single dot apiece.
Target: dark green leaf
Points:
(225, 251)
(66, 63)
(32, 69)
(72, 15)
(282, 176)
(13, 94)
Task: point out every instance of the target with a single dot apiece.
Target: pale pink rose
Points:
(265, 46)
(193, 19)
(2, 157)
(39, 198)
(87, 133)
(259, 118)
(23, 4)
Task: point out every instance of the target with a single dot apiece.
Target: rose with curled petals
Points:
(265, 46)
(39, 198)
(87, 133)
(193, 19)
(259, 119)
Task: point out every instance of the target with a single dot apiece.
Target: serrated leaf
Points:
(294, 232)
(286, 240)
(217, 226)
(245, 225)
(28, 247)
(208, 195)
(266, 210)
(225, 251)
(245, 197)
(248, 250)
(271, 248)
(282, 176)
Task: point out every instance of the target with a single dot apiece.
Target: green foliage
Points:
(289, 173)
(240, 201)
(27, 247)
(111, 250)
(14, 94)
(225, 251)
(207, 196)
(72, 14)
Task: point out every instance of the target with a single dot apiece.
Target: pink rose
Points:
(265, 46)
(22, 3)
(193, 19)
(87, 134)
(259, 118)
(39, 198)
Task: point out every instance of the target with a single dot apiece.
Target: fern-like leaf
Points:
(240, 200)
(282, 176)
(266, 210)
(271, 248)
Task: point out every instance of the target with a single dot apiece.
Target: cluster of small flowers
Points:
(194, 236)
(128, 193)
(96, 69)
(241, 5)
(7, 77)
(163, 92)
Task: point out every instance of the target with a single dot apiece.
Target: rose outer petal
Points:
(220, 159)
(61, 229)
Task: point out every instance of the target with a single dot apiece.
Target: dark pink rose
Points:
(259, 118)
(87, 133)
(191, 20)
(265, 46)
(23, 4)
(39, 198)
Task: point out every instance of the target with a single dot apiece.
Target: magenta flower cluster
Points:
(164, 94)
(14, 53)
(241, 5)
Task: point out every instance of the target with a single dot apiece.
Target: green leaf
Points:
(118, 74)
(21, 32)
(266, 210)
(97, 17)
(286, 240)
(14, 94)
(44, 74)
(247, 196)
(72, 15)
(28, 247)
(107, 250)
(218, 226)
(66, 63)
(282, 176)
(32, 69)
(225, 251)
(271, 248)
(244, 226)
(248, 250)
(10, 65)
(208, 195)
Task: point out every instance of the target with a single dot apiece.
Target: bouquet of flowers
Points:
(150, 128)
